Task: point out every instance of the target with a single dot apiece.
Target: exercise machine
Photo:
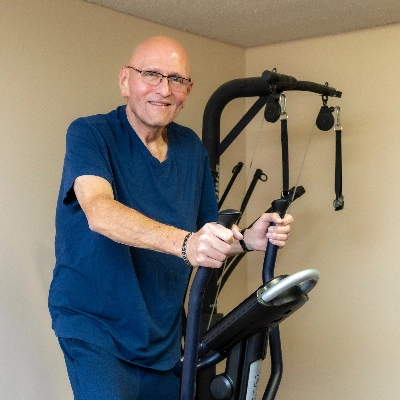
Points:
(242, 336)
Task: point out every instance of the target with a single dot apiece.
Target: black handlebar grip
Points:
(228, 217)
(280, 207)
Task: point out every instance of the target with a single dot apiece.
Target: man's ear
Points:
(123, 82)
(189, 89)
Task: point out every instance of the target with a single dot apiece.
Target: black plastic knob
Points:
(221, 388)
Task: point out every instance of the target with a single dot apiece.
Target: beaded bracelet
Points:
(184, 254)
(243, 243)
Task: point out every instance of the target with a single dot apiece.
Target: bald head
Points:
(162, 52)
(153, 104)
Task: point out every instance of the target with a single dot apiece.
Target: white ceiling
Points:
(250, 23)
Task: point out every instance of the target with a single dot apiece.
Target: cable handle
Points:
(279, 206)
(190, 355)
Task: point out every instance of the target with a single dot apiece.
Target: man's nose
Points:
(163, 87)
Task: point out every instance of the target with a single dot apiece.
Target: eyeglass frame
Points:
(162, 76)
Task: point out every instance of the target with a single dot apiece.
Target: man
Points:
(136, 210)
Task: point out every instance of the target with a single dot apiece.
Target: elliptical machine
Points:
(242, 336)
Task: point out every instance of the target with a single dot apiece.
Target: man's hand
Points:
(256, 237)
(209, 246)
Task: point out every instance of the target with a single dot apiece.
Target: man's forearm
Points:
(126, 225)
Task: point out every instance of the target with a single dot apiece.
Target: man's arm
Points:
(105, 215)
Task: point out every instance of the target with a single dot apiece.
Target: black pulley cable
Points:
(285, 157)
(325, 122)
(235, 172)
(276, 109)
(284, 145)
(190, 355)
(338, 203)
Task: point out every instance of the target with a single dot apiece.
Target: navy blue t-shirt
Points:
(125, 299)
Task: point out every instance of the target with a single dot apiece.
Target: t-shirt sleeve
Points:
(86, 154)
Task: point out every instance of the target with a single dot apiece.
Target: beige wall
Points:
(60, 60)
(343, 344)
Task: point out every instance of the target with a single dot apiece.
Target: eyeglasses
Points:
(153, 78)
